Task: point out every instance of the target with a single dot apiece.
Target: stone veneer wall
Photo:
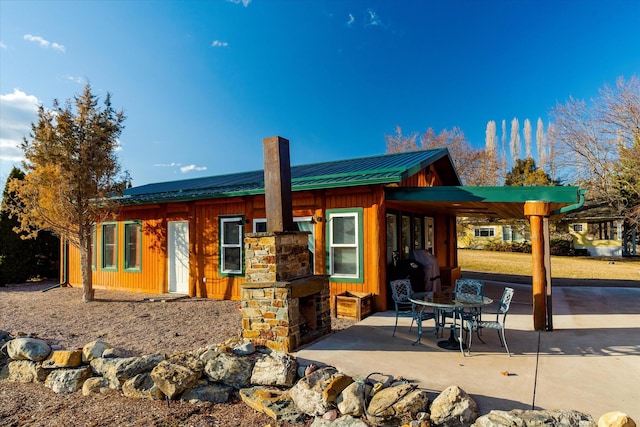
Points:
(278, 276)
(276, 256)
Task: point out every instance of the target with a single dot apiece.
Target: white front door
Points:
(178, 236)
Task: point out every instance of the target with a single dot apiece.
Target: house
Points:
(186, 236)
(476, 233)
(599, 231)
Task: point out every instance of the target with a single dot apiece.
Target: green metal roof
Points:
(383, 169)
(502, 202)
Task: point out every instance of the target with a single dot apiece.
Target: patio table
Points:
(456, 303)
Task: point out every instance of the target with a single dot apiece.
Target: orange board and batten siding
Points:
(203, 217)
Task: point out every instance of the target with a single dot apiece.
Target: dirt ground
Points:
(132, 323)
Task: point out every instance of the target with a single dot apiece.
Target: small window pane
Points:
(232, 259)
(132, 248)
(344, 230)
(109, 246)
(231, 233)
(345, 261)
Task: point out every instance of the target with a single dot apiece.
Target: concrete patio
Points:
(590, 362)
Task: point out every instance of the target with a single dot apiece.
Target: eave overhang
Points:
(492, 202)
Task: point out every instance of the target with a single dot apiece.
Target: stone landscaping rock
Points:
(397, 405)
(118, 370)
(276, 369)
(28, 349)
(214, 393)
(454, 408)
(338, 383)
(344, 421)
(616, 419)
(63, 359)
(94, 350)
(352, 400)
(111, 353)
(230, 369)
(531, 418)
(237, 364)
(189, 360)
(172, 379)
(26, 371)
(308, 392)
(95, 385)
(67, 380)
(142, 387)
(244, 349)
(274, 402)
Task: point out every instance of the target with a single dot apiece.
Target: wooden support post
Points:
(537, 211)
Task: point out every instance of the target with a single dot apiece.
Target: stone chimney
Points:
(283, 304)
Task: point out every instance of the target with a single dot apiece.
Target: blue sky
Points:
(203, 82)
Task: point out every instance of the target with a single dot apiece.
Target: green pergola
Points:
(538, 204)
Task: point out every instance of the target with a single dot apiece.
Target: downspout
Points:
(573, 207)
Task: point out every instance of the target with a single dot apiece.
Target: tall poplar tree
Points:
(71, 172)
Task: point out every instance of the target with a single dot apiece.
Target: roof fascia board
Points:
(484, 194)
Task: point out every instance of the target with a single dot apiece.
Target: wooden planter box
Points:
(353, 305)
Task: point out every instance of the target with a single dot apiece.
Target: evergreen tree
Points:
(525, 174)
(22, 258)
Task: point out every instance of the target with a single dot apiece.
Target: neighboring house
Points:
(476, 233)
(187, 236)
(598, 231)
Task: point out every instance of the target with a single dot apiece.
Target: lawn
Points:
(561, 267)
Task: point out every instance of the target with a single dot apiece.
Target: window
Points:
(345, 245)
(605, 230)
(260, 225)
(109, 246)
(231, 242)
(484, 231)
(132, 245)
(93, 248)
(578, 228)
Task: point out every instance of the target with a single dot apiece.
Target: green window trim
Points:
(358, 244)
(230, 247)
(94, 253)
(111, 247)
(135, 227)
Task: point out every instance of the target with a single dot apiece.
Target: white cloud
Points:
(44, 43)
(351, 20)
(219, 43)
(245, 3)
(189, 168)
(167, 165)
(19, 110)
(374, 19)
(2, 45)
(75, 79)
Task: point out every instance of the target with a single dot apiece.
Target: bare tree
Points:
(594, 141)
(491, 150)
(514, 142)
(468, 160)
(527, 138)
(540, 143)
(504, 147)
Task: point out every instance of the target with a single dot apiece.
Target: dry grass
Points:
(562, 267)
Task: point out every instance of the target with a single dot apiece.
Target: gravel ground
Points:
(133, 323)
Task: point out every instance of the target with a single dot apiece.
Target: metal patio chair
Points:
(466, 287)
(401, 290)
(498, 324)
